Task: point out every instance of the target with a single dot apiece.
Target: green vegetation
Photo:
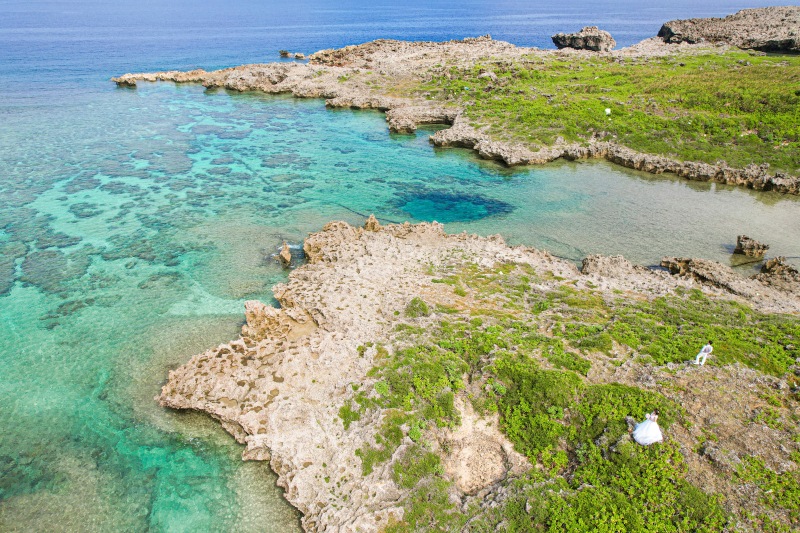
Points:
(417, 308)
(576, 431)
(348, 415)
(740, 107)
(524, 354)
(415, 465)
(673, 329)
(780, 492)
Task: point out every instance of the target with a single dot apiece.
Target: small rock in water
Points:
(285, 256)
(749, 247)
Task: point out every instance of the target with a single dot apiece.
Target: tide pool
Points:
(136, 223)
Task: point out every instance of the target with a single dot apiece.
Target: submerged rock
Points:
(285, 255)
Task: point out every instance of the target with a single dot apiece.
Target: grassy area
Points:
(592, 476)
(524, 354)
(737, 107)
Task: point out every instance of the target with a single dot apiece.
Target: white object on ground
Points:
(648, 432)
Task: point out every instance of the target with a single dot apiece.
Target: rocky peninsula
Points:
(384, 374)
(494, 97)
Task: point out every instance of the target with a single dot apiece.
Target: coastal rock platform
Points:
(280, 388)
(373, 75)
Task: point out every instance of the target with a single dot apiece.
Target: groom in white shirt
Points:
(700, 359)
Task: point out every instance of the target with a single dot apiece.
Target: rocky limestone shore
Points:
(365, 76)
(280, 387)
(769, 29)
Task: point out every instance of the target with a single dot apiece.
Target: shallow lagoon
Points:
(137, 224)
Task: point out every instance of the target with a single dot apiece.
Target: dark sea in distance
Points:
(135, 223)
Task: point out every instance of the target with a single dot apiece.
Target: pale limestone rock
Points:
(770, 29)
(278, 389)
(372, 224)
(285, 256)
(399, 61)
(589, 38)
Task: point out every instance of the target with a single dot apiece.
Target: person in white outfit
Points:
(700, 358)
(648, 432)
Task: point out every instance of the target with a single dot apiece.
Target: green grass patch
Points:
(417, 308)
(780, 492)
(348, 415)
(417, 463)
(736, 106)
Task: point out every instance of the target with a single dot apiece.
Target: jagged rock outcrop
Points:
(711, 273)
(372, 224)
(769, 29)
(749, 247)
(757, 177)
(278, 388)
(777, 273)
(589, 38)
(405, 119)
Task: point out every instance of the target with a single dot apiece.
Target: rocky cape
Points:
(280, 387)
(365, 77)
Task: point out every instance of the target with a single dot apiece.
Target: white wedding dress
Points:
(648, 432)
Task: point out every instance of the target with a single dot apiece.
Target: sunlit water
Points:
(134, 223)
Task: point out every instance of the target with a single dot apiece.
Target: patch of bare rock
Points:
(589, 38)
(769, 29)
(279, 387)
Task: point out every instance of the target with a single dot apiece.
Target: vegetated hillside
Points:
(567, 370)
(733, 106)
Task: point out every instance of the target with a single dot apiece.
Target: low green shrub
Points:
(417, 308)
(417, 463)
(348, 415)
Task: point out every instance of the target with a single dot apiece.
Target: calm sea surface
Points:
(135, 223)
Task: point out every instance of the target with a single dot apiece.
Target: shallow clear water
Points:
(135, 223)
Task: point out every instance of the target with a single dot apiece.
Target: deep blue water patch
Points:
(445, 207)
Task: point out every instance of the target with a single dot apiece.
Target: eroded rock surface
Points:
(279, 388)
(364, 76)
(749, 247)
(770, 29)
(589, 38)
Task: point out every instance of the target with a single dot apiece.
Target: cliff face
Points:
(280, 388)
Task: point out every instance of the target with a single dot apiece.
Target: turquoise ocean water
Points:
(135, 223)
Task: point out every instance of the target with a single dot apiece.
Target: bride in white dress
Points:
(648, 432)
